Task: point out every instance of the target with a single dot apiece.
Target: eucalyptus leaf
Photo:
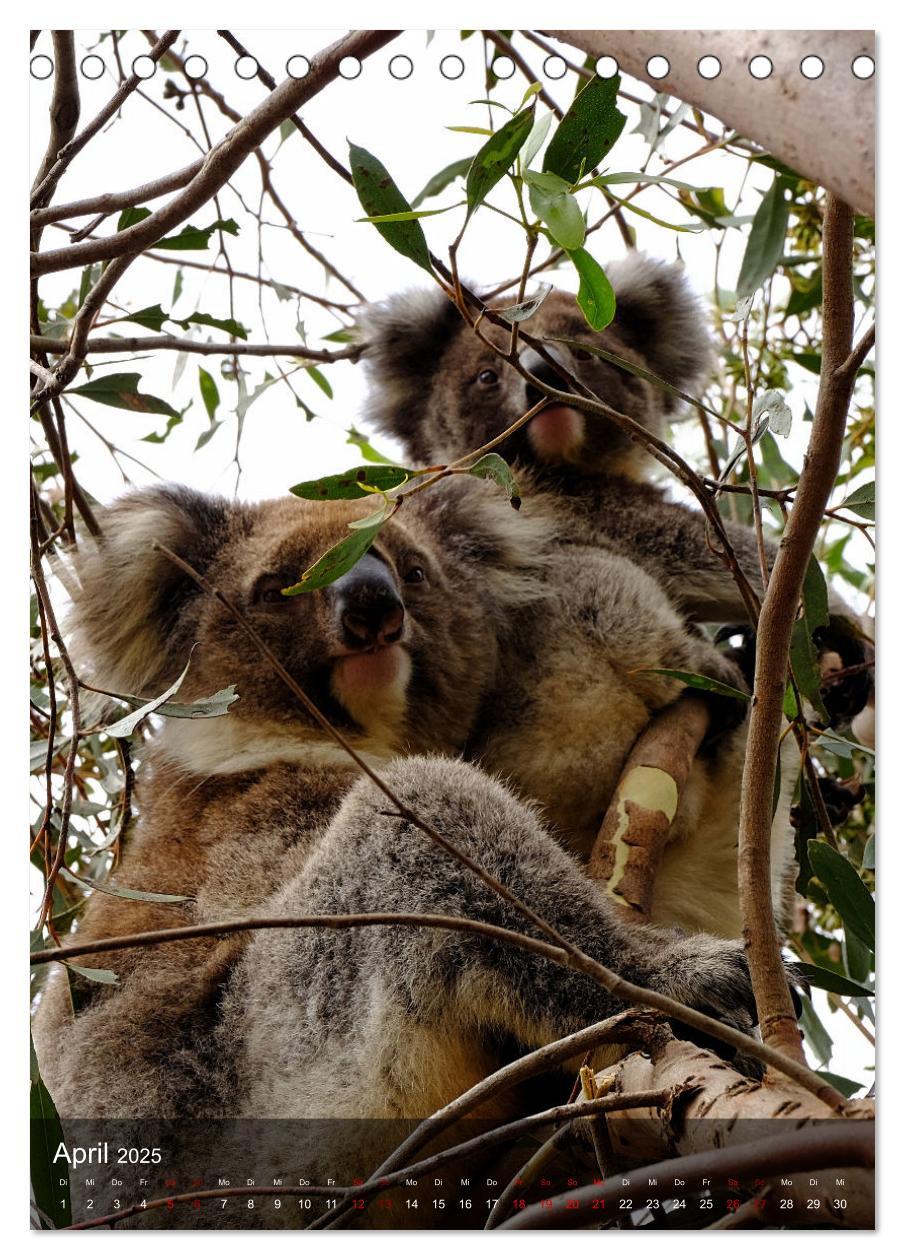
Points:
(863, 501)
(766, 241)
(354, 438)
(95, 974)
(124, 727)
(701, 683)
(589, 129)
(494, 468)
(379, 195)
(357, 483)
(524, 310)
(595, 296)
(832, 981)
(442, 179)
(344, 556)
(849, 894)
(494, 159)
(210, 394)
(848, 1088)
(191, 237)
(121, 390)
(128, 894)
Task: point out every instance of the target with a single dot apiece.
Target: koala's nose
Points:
(544, 371)
(367, 605)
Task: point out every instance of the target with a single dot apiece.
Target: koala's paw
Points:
(711, 975)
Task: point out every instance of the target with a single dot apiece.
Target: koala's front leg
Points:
(398, 997)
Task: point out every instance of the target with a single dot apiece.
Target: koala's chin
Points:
(372, 686)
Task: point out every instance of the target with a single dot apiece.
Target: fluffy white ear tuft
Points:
(659, 315)
(129, 597)
(404, 337)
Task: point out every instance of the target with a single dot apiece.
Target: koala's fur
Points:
(425, 365)
(255, 812)
(630, 568)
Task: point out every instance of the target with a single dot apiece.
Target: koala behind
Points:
(438, 389)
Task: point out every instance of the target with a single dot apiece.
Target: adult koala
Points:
(443, 393)
(257, 812)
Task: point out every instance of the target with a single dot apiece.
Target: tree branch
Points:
(70, 150)
(774, 631)
(139, 345)
(222, 161)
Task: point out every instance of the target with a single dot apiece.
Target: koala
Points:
(442, 392)
(256, 812)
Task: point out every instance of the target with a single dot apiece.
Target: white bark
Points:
(823, 128)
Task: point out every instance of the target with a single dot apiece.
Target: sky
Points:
(405, 122)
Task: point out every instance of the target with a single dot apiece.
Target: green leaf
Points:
(638, 177)
(357, 483)
(591, 126)
(378, 194)
(805, 667)
(552, 202)
(807, 294)
(232, 326)
(442, 180)
(595, 294)
(209, 707)
(128, 218)
(766, 241)
(126, 725)
(191, 237)
(839, 746)
(524, 310)
(96, 975)
(363, 442)
(320, 380)
(129, 894)
(870, 855)
(494, 468)
(816, 1035)
(121, 390)
(51, 1197)
(150, 317)
(700, 682)
(407, 216)
(863, 501)
(494, 159)
(832, 981)
(344, 556)
(848, 892)
(210, 395)
(846, 1087)
(536, 138)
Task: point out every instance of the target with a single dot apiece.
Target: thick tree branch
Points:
(222, 161)
(65, 104)
(786, 113)
(774, 631)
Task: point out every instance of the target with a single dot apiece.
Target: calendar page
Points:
(452, 664)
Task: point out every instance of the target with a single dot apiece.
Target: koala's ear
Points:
(659, 315)
(129, 597)
(404, 337)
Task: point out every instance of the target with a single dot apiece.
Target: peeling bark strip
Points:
(786, 113)
(630, 843)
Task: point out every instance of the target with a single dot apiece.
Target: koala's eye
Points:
(414, 576)
(488, 377)
(269, 590)
(583, 354)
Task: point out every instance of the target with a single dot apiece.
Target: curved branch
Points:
(774, 632)
(222, 161)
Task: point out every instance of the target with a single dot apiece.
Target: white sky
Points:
(403, 123)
